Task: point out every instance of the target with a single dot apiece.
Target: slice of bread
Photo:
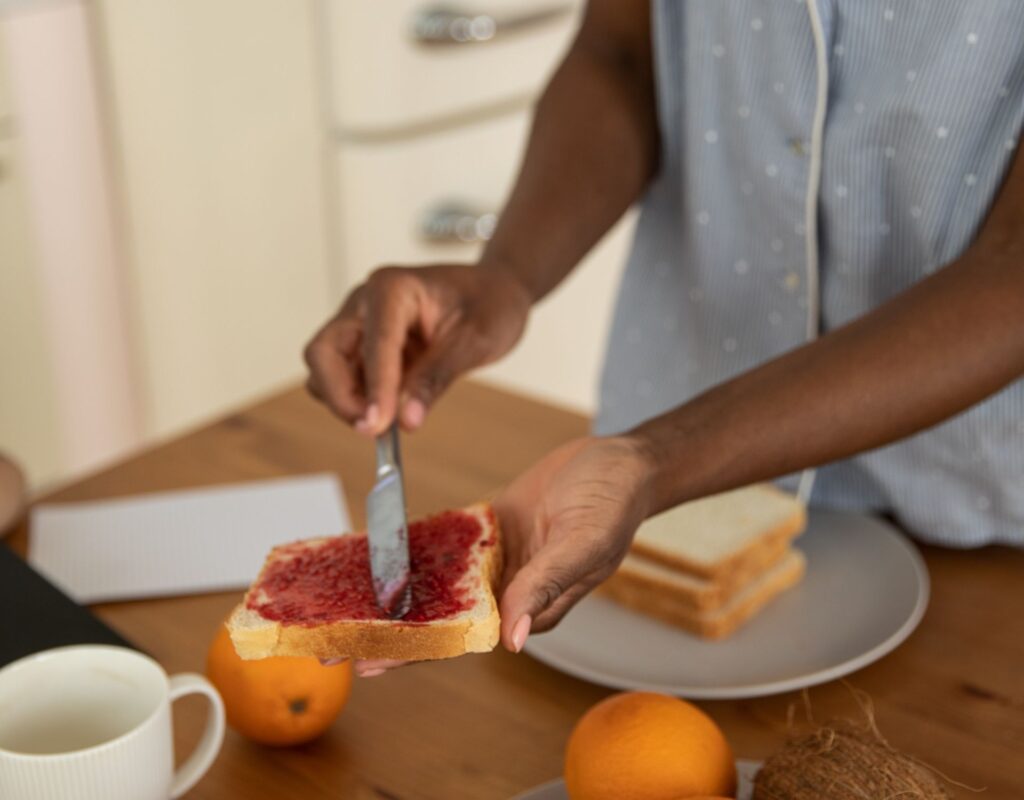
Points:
(737, 533)
(264, 625)
(692, 591)
(670, 600)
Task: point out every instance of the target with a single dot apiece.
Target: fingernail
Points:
(413, 413)
(369, 421)
(332, 662)
(520, 632)
(371, 673)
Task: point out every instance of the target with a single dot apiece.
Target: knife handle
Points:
(388, 455)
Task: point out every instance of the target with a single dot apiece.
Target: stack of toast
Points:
(710, 565)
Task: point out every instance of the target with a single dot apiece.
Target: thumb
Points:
(546, 587)
(435, 370)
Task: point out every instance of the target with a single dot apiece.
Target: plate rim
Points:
(747, 691)
(555, 783)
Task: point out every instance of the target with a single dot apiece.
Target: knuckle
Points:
(354, 306)
(549, 590)
(378, 275)
(480, 345)
(604, 572)
(313, 351)
(386, 278)
(483, 342)
(543, 624)
(381, 352)
(432, 382)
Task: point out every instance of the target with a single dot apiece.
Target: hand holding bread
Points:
(554, 534)
(568, 522)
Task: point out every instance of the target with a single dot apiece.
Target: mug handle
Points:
(195, 766)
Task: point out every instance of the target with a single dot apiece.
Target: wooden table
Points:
(491, 726)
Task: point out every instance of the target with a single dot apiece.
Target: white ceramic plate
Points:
(555, 790)
(865, 591)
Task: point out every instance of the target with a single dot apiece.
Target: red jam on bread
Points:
(329, 582)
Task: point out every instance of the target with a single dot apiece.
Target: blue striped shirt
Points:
(819, 157)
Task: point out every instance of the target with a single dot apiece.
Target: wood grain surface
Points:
(491, 726)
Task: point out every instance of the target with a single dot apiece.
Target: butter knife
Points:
(388, 530)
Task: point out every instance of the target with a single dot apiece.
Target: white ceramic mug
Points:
(93, 722)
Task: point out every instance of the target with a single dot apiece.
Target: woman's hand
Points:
(567, 523)
(402, 337)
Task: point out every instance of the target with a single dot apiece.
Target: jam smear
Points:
(313, 585)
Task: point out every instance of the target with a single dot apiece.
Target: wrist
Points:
(637, 467)
(683, 459)
(513, 277)
(510, 286)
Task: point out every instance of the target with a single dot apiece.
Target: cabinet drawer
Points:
(384, 76)
(387, 192)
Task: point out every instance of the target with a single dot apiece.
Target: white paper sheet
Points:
(185, 542)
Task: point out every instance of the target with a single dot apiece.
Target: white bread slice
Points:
(727, 537)
(474, 630)
(669, 601)
(692, 591)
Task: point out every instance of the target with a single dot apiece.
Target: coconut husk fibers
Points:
(844, 761)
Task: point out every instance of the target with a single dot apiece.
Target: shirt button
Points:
(792, 281)
(798, 146)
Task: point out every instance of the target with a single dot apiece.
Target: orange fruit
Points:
(649, 746)
(279, 700)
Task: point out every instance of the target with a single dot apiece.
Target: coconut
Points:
(844, 761)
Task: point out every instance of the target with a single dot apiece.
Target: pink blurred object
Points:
(12, 494)
(57, 105)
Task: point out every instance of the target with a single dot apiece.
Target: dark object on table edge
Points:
(35, 615)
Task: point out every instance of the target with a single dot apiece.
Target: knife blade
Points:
(388, 530)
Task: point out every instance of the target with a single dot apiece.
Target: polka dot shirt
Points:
(922, 118)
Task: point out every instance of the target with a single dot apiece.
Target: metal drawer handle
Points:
(445, 25)
(449, 223)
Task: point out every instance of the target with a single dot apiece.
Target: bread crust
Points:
(712, 593)
(741, 565)
(255, 637)
(659, 601)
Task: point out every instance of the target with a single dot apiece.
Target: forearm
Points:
(932, 352)
(592, 150)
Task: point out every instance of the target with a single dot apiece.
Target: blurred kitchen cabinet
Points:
(408, 63)
(424, 198)
(28, 414)
(216, 122)
(429, 111)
